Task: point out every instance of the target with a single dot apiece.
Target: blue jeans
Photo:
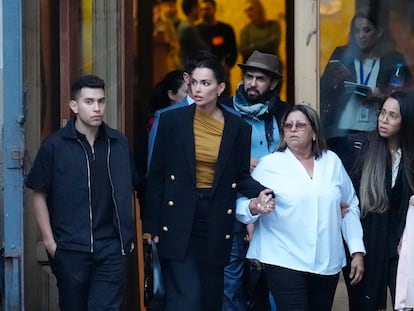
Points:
(234, 298)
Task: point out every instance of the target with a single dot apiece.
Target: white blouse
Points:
(305, 231)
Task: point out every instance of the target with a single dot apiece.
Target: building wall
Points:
(1, 160)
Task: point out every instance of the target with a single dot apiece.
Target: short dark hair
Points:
(195, 58)
(188, 5)
(89, 81)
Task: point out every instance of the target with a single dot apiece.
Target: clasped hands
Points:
(263, 204)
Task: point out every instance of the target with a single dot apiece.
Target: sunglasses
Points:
(299, 125)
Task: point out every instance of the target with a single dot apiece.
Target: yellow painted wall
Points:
(334, 30)
(334, 27)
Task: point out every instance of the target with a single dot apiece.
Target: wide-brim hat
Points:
(268, 63)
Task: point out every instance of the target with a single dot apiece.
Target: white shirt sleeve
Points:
(243, 211)
(351, 223)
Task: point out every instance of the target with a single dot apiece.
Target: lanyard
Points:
(361, 72)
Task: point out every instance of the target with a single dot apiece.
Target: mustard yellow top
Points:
(207, 139)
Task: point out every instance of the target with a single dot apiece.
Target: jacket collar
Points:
(69, 131)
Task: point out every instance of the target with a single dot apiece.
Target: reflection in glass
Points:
(356, 78)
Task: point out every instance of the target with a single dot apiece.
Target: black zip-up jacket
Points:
(61, 170)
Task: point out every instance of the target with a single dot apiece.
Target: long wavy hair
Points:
(373, 186)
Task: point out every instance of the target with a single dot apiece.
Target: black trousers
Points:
(194, 284)
(356, 299)
(300, 291)
(91, 281)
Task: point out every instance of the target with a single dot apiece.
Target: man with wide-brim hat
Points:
(268, 63)
(258, 102)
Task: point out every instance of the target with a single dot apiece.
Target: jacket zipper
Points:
(89, 194)
(113, 198)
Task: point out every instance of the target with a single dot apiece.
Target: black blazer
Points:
(381, 232)
(171, 187)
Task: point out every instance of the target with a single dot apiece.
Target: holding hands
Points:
(263, 204)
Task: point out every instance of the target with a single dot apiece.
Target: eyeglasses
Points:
(299, 125)
(390, 116)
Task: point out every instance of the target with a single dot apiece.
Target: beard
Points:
(254, 95)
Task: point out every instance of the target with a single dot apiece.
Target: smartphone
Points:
(335, 64)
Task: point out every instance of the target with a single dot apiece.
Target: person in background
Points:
(169, 7)
(220, 37)
(259, 104)
(300, 242)
(368, 60)
(82, 181)
(260, 33)
(404, 290)
(199, 163)
(188, 35)
(382, 172)
(165, 44)
(173, 88)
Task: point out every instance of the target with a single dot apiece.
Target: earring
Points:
(313, 138)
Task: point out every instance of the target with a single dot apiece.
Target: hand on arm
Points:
(344, 209)
(41, 214)
(263, 204)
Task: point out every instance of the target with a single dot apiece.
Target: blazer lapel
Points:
(187, 139)
(230, 131)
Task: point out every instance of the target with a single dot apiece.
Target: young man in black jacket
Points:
(82, 182)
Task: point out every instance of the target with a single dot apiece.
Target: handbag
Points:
(255, 286)
(154, 291)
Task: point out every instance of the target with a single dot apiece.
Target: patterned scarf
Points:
(257, 110)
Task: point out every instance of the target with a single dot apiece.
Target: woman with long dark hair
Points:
(383, 174)
(200, 162)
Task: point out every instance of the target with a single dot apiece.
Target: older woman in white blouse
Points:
(300, 243)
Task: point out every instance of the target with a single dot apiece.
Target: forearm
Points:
(41, 214)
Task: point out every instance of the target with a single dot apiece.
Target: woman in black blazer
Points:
(200, 162)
